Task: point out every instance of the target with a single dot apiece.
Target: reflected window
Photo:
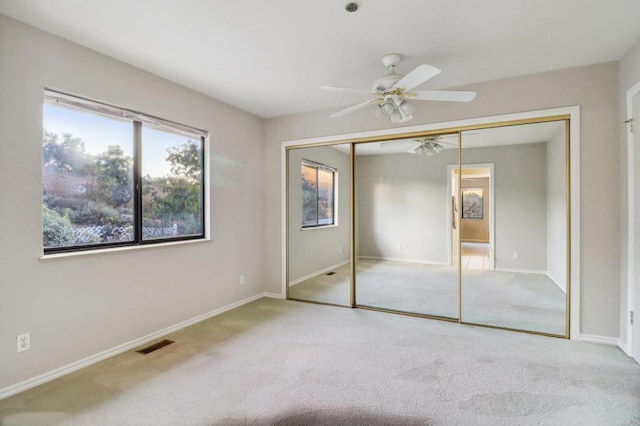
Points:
(318, 194)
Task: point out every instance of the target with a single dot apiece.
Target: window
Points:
(318, 194)
(113, 177)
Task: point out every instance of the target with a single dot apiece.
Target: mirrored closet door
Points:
(470, 225)
(404, 260)
(319, 224)
(513, 226)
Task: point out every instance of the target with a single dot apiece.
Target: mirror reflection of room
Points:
(514, 227)
(319, 226)
(404, 260)
(483, 241)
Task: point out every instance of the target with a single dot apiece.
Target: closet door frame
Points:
(570, 114)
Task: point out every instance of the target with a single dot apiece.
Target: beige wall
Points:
(476, 230)
(402, 205)
(594, 88)
(629, 76)
(80, 306)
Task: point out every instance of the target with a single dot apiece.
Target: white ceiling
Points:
(270, 57)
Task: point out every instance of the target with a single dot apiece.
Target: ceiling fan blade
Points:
(417, 76)
(412, 149)
(442, 95)
(345, 89)
(453, 138)
(395, 144)
(353, 108)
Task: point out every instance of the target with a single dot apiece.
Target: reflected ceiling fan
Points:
(428, 145)
(393, 91)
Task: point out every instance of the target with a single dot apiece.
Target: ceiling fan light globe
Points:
(407, 108)
(395, 117)
(387, 108)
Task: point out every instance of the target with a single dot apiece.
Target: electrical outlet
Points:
(23, 342)
(341, 250)
(516, 255)
(399, 246)
(241, 279)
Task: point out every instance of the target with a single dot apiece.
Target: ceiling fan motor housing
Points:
(390, 60)
(386, 82)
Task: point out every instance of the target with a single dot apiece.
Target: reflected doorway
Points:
(472, 212)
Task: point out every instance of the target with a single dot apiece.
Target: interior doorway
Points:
(472, 215)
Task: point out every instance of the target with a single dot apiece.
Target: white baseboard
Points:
(273, 295)
(564, 290)
(77, 365)
(521, 271)
(624, 347)
(603, 340)
(400, 259)
(316, 273)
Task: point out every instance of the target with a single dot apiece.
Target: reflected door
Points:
(403, 228)
(319, 224)
(524, 286)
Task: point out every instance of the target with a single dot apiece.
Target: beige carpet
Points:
(515, 300)
(276, 362)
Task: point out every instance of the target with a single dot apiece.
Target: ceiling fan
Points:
(393, 91)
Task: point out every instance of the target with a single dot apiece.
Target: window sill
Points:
(311, 228)
(115, 250)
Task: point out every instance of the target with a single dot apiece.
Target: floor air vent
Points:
(155, 347)
(330, 273)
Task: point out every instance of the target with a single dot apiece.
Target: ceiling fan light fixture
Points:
(392, 90)
(387, 108)
(407, 108)
(395, 117)
(429, 147)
